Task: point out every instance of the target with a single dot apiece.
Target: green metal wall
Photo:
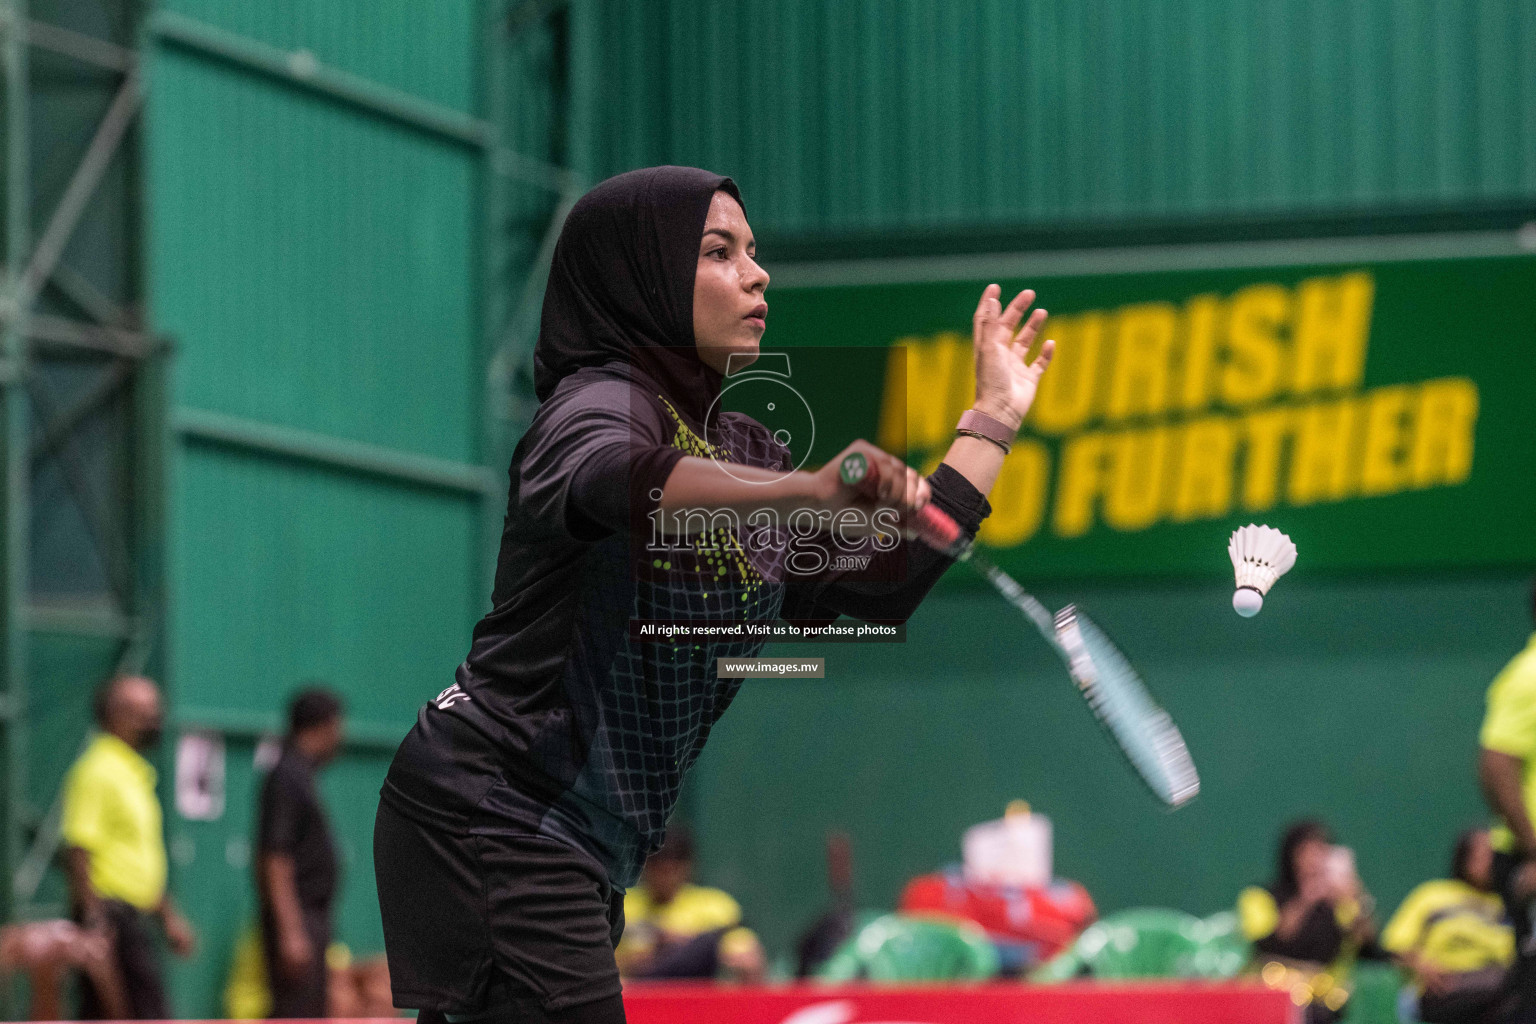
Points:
(314, 181)
(863, 116)
(346, 199)
(862, 128)
(426, 53)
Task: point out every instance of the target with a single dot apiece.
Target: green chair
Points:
(1377, 987)
(1223, 952)
(1151, 942)
(902, 948)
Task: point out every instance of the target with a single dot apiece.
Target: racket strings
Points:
(1146, 732)
(1115, 693)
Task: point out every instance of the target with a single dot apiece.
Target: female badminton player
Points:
(528, 794)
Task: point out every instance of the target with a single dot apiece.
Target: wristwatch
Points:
(978, 424)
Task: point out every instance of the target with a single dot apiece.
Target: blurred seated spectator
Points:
(1311, 922)
(357, 988)
(829, 931)
(246, 993)
(44, 951)
(1453, 938)
(354, 988)
(1027, 924)
(675, 929)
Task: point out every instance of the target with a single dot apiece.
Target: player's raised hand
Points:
(1006, 381)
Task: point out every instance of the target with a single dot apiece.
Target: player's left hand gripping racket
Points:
(1114, 690)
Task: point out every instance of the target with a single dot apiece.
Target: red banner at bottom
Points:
(1077, 1003)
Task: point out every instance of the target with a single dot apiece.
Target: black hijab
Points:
(621, 285)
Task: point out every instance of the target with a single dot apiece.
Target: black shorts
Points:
(486, 916)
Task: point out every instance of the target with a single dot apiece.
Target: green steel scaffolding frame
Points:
(134, 364)
(40, 431)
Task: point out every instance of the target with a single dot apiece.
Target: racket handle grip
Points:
(933, 525)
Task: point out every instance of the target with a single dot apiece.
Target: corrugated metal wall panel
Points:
(418, 48)
(289, 573)
(861, 115)
(318, 263)
(533, 80)
(320, 241)
(59, 659)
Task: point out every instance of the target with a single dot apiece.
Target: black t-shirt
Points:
(563, 724)
(292, 822)
(1317, 939)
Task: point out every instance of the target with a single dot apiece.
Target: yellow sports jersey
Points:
(248, 989)
(247, 996)
(111, 812)
(1257, 913)
(1509, 727)
(695, 910)
(1452, 926)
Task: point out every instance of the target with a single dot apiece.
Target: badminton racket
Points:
(1114, 690)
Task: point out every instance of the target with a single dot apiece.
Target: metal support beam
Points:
(515, 346)
(371, 737)
(331, 452)
(106, 529)
(512, 164)
(94, 620)
(130, 613)
(78, 46)
(83, 183)
(490, 260)
(45, 844)
(72, 334)
(530, 13)
(302, 69)
(66, 420)
(15, 472)
(78, 289)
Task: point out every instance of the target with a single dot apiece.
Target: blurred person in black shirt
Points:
(836, 925)
(296, 858)
(1312, 922)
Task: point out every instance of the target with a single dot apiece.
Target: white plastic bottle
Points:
(1012, 850)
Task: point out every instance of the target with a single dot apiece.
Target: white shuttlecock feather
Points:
(1260, 555)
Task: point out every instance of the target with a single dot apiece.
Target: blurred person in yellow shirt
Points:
(1507, 771)
(1453, 938)
(114, 846)
(675, 929)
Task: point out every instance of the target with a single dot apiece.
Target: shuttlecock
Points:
(1260, 555)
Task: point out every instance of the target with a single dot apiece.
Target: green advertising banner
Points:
(1380, 412)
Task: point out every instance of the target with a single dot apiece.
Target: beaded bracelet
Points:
(976, 433)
